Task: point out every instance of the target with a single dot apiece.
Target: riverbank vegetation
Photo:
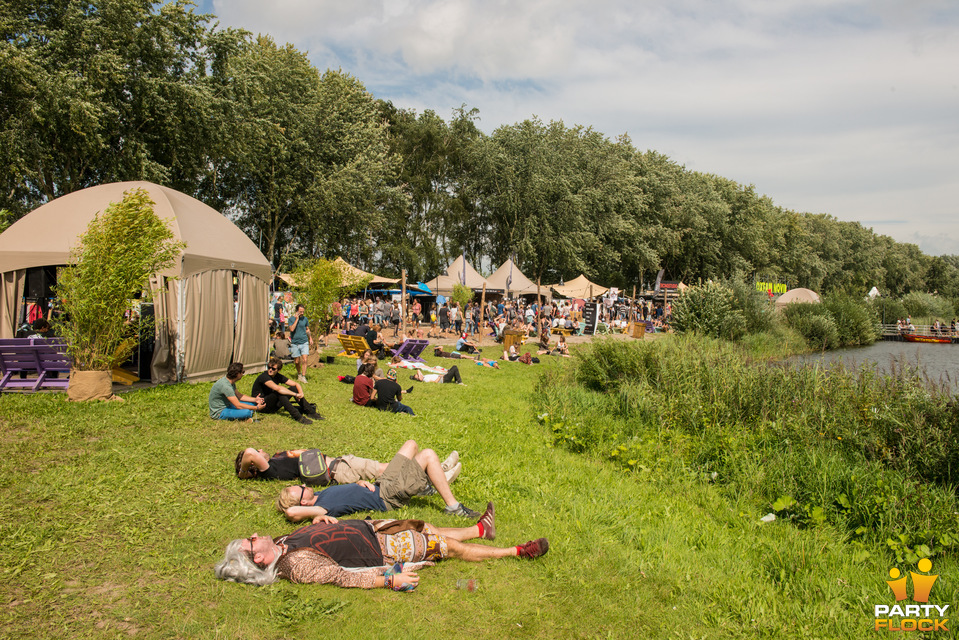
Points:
(876, 457)
(733, 310)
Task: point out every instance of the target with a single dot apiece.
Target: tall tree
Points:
(94, 91)
(267, 166)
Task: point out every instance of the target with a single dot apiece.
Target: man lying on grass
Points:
(285, 465)
(326, 551)
(410, 473)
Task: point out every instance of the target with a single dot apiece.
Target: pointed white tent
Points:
(460, 271)
(513, 281)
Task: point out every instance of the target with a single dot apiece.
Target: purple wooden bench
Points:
(411, 349)
(33, 357)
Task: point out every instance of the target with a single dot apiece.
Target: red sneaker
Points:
(534, 548)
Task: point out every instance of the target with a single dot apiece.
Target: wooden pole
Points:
(539, 304)
(403, 303)
(482, 313)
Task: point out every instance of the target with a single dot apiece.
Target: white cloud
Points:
(842, 106)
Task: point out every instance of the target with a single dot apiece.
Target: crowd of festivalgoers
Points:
(444, 318)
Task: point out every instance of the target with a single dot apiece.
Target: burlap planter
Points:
(90, 385)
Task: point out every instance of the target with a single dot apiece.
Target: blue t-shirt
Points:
(299, 335)
(342, 499)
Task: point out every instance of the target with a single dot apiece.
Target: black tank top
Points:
(349, 543)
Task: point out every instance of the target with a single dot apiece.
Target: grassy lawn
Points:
(113, 515)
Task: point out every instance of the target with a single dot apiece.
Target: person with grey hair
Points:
(359, 553)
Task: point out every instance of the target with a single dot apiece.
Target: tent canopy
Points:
(46, 235)
(455, 274)
(519, 284)
(350, 275)
(578, 288)
(797, 295)
(354, 274)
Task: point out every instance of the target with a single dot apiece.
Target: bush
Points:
(926, 305)
(708, 310)
(755, 306)
(887, 311)
(814, 323)
(854, 323)
(120, 250)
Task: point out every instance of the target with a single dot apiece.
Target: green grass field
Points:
(113, 515)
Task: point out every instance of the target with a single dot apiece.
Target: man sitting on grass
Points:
(226, 404)
(465, 344)
(324, 551)
(388, 394)
(410, 473)
(279, 391)
(285, 465)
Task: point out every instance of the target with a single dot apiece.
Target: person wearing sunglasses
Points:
(278, 391)
(285, 465)
(366, 554)
(410, 473)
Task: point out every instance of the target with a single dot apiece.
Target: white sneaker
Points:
(451, 460)
(301, 378)
(452, 474)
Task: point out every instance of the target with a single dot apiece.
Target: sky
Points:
(844, 107)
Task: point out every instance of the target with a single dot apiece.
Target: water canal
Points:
(937, 362)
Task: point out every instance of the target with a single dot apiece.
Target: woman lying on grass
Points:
(352, 553)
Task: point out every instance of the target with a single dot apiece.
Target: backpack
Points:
(526, 358)
(313, 469)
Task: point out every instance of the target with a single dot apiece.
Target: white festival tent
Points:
(514, 282)
(458, 272)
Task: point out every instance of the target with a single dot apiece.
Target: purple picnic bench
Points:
(411, 349)
(36, 359)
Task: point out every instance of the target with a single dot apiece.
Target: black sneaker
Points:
(430, 490)
(315, 416)
(461, 510)
(410, 390)
(304, 420)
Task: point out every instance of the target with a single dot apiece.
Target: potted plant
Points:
(121, 248)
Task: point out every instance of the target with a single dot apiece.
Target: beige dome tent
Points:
(797, 295)
(198, 334)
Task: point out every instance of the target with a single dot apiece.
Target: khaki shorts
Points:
(403, 479)
(351, 469)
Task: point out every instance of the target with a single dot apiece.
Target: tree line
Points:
(308, 163)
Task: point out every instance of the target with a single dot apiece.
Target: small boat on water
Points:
(909, 337)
